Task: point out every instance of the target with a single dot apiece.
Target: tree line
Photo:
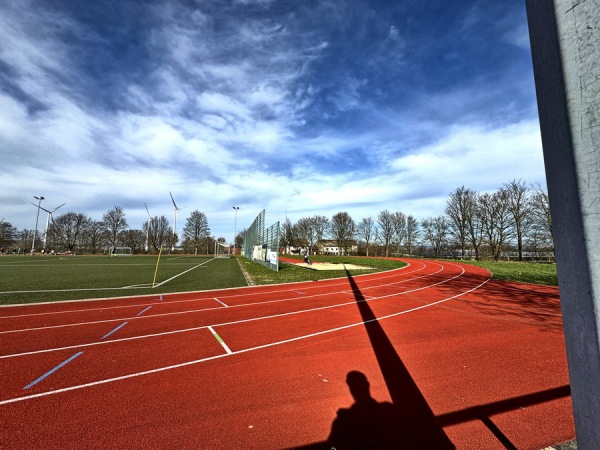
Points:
(75, 232)
(513, 221)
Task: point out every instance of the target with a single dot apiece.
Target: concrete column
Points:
(565, 45)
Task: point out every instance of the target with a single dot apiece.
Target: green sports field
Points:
(30, 279)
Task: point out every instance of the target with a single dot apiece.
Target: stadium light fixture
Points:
(236, 209)
(40, 198)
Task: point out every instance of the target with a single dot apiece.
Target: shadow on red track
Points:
(408, 422)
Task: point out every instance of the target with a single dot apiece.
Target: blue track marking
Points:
(116, 329)
(142, 312)
(50, 372)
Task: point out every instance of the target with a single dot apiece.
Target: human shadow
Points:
(406, 423)
(367, 423)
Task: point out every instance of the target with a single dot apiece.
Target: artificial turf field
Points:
(31, 279)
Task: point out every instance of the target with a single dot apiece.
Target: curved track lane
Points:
(482, 364)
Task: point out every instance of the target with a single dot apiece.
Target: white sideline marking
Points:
(134, 286)
(210, 358)
(226, 306)
(235, 306)
(236, 322)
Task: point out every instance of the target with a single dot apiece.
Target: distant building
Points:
(330, 247)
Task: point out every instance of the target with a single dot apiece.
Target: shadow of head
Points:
(359, 386)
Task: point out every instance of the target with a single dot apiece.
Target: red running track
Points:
(453, 359)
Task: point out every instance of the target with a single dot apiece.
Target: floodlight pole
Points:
(37, 217)
(236, 208)
(566, 63)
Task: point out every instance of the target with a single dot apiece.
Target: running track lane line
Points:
(373, 276)
(247, 304)
(143, 311)
(226, 306)
(114, 331)
(210, 358)
(50, 372)
(218, 338)
(235, 322)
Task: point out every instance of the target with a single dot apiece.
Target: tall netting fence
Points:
(262, 244)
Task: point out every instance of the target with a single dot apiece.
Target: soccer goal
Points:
(120, 251)
(221, 250)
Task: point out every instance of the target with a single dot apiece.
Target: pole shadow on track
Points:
(406, 423)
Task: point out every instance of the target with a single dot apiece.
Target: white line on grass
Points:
(135, 286)
(182, 273)
(236, 322)
(234, 306)
(210, 358)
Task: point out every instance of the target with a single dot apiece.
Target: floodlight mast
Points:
(175, 209)
(40, 198)
(236, 208)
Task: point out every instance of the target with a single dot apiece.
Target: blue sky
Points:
(297, 107)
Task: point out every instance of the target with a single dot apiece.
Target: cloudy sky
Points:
(297, 107)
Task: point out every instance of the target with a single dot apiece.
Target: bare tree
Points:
(25, 239)
(520, 207)
(366, 231)
(288, 235)
(160, 232)
(309, 230)
(412, 233)
(474, 223)
(541, 226)
(497, 221)
(8, 234)
(342, 229)
(196, 230)
(399, 220)
(435, 232)
(320, 225)
(240, 237)
(460, 211)
(305, 232)
(67, 229)
(135, 239)
(113, 223)
(385, 220)
(92, 236)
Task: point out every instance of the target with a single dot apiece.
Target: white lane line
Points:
(210, 358)
(236, 322)
(221, 341)
(234, 306)
(226, 306)
(371, 277)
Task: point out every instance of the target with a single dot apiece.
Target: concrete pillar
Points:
(565, 45)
